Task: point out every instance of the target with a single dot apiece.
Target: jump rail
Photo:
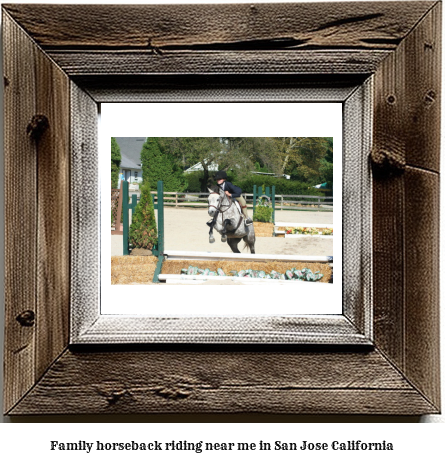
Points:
(242, 257)
(216, 256)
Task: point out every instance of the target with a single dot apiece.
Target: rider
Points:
(233, 191)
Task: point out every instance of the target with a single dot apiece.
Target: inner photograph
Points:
(222, 210)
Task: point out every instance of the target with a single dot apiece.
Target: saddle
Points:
(238, 205)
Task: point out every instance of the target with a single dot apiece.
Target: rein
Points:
(218, 207)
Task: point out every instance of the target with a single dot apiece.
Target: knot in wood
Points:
(114, 397)
(386, 162)
(173, 393)
(26, 318)
(37, 126)
(112, 394)
(430, 97)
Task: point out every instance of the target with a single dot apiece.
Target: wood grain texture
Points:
(53, 206)
(85, 210)
(227, 39)
(37, 217)
(122, 63)
(222, 382)
(341, 25)
(218, 88)
(388, 268)
(389, 142)
(422, 281)
(423, 91)
(20, 213)
(400, 376)
(109, 329)
(408, 97)
(356, 230)
(406, 222)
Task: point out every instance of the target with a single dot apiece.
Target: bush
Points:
(263, 212)
(143, 230)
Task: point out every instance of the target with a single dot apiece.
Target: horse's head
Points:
(213, 201)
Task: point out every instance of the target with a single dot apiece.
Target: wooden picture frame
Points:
(77, 56)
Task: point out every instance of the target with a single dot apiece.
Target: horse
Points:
(228, 221)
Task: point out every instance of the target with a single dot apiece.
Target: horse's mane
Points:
(215, 189)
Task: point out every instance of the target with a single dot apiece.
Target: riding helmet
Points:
(221, 175)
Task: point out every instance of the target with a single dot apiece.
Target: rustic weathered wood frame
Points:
(91, 323)
(76, 56)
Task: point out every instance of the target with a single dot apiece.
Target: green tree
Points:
(115, 162)
(243, 154)
(192, 150)
(301, 156)
(327, 164)
(143, 230)
(159, 165)
(235, 155)
(329, 149)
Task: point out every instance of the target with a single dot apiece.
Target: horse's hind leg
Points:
(250, 240)
(233, 243)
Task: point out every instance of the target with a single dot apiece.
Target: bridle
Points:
(220, 204)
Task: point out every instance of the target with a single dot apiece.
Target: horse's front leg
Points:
(210, 224)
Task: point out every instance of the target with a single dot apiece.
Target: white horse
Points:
(228, 221)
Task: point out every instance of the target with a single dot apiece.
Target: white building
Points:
(198, 167)
(131, 148)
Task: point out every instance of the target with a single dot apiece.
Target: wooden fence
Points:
(282, 202)
(116, 209)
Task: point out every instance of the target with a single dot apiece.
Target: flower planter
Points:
(318, 236)
(298, 230)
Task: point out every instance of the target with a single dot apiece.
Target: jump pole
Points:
(126, 206)
(125, 219)
(159, 250)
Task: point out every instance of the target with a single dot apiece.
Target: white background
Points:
(22, 442)
(217, 120)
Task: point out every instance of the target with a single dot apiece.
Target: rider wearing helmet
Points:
(233, 191)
